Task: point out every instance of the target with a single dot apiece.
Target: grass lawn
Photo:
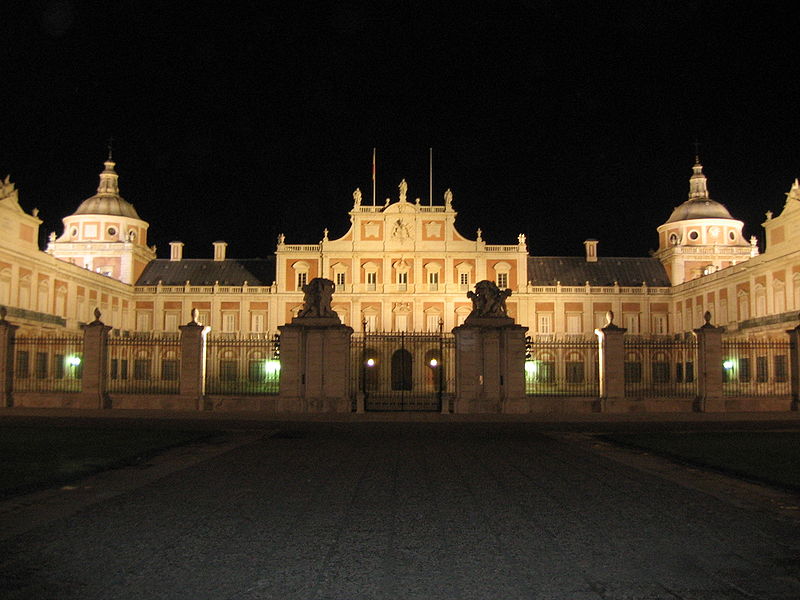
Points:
(39, 457)
(769, 457)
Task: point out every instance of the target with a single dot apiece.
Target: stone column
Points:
(315, 356)
(192, 384)
(794, 365)
(94, 364)
(709, 368)
(315, 366)
(8, 332)
(490, 366)
(611, 359)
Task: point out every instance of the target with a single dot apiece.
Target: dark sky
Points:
(560, 120)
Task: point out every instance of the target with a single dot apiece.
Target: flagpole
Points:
(430, 179)
(373, 177)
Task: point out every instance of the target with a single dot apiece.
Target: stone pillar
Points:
(794, 364)
(611, 359)
(315, 366)
(192, 384)
(8, 332)
(709, 368)
(490, 366)
(94, 364)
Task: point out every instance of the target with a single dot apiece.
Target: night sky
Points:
(559, 120)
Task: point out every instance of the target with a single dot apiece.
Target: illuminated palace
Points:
(402, 266)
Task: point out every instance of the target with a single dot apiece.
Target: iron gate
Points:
(401, 371)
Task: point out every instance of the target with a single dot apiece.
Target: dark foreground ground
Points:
(393, 510)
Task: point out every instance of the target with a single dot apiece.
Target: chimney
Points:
(175, 251)
(591, 250)
(219, 250)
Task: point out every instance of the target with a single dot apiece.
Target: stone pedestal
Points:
(7, 335)
(94, 365)
(315, 365)
(490, 366)
(192, 384)
(611, 360)
(709, 368)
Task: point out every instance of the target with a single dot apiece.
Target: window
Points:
(257, 323)
(780, 368)
(169, 369)
(632, 323)
(171, 321)
(433, 322)
(744, 369)
(141, 369)
(372, 281)
(433, 281)
(679, 372)
(693, 235)
(545, 323)
(144, 321)
(463, 280)
(229, 322)
(575, 370)
(58, 366)
(21, 370)
(340, 279)
(659, 324)
(761, 369)
(302, 279)
(689, 371)
(402, 280)
(502, 280)
(227, 370)
(574, 323)
(370, 322)
(660, 372)
(401, 322)
(40, 368)
(633, 372)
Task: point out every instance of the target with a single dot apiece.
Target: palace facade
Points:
(402, 266)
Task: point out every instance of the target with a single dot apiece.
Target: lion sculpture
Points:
(488, 300)
(317, 300)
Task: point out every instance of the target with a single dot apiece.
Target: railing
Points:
(561, 366)
(660, 367)
(143, 363)
(243, 365)
(48, 364)
(755, 367)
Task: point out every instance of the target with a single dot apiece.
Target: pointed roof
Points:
(107, 200)
(699, 205)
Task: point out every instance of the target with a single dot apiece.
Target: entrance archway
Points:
(402, 370)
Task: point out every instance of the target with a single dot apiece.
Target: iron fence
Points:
(755, 367)
(403, 371)
(660, 367)
(243, 365)
(144, 363)
(48, 363)
(556, 366)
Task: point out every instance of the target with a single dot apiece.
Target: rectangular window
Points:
(41, 365)
(660, 372)
(256, 371)
(659, 324)
(780, 368)
(22, 364)
(402, 281)
(171, 321)
(433, 322)
(744, 369)
(433, 281)
(463, 280)
(574, 324)
(545, 372)
(689, 372)
(371, 322)
(762, 374)
(545, 324)
(229, 323)
(575, 372)
(141, 369)
(633, 372)
(302, 279)
(227, 370)
(257, 323)
(502, 280)
(372, 281)
(401, 322)
(340, 279)
(169, 369)
(58, 366)
(632, 323)
(679, 372)
(144, 321)
(114, 370)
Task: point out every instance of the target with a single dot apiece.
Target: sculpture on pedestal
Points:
(488, 300)
(317, 300)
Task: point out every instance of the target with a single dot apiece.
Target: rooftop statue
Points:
(403, 190)
(357, 197)
(448, 199)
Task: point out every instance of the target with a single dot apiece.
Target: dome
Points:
(700, 208)
(106, 204)
(107, 200)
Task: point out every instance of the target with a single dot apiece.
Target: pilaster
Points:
(709, 372)
(7, 334)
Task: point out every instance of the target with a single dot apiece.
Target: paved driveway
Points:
(407, 511)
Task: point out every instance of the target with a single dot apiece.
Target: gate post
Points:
(794, 366)
(490, 355)
(93, 378)
(611, 359)
(7, 334)
(193, 360)
(315, 356)
(709, 372)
